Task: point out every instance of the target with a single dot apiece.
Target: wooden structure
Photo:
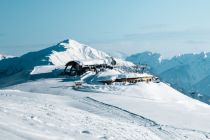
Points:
(129, 80)
(77, 68)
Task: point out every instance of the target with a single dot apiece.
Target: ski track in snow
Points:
(163, 131)
(31, 117)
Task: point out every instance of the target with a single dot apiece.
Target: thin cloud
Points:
(187, 35)
(167, 34)
(196, 42)
(154, 26)
(168, 43)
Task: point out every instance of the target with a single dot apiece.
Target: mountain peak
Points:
(65, 41)
(69, 42)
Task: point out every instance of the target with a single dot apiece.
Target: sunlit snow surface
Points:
(43, 107)
(76, 51)
(52, 109)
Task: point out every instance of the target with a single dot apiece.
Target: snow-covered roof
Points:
(115, 74)
(91, 62)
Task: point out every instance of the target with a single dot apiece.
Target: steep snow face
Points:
(77, 51)
(187, 72)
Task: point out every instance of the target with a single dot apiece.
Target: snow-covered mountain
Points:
(53, 108)
(188, 73)
(57, 55)
(51, 58)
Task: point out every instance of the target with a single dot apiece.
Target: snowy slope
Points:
(51, 109)
(162, 104)
(75, 51)
(54, 109)
(185, 72)
(49, 117)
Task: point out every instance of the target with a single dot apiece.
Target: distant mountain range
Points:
(189, 73)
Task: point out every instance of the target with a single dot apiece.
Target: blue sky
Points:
(169, 27)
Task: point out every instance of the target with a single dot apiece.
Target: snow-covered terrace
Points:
(113, 75)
